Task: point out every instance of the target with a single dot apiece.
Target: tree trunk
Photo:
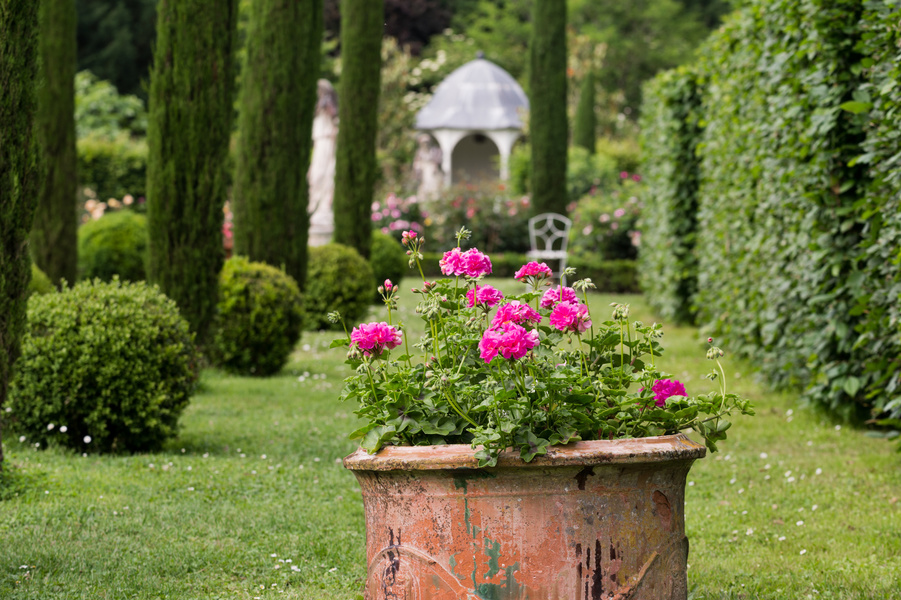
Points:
(356, 168)
(19, 174)
(54, 235)
(191, 95)
(277, 100)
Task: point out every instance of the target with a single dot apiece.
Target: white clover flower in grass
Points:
(21, 439)
(803, 552)
(87, 439)
(799, 523)
(63, 429)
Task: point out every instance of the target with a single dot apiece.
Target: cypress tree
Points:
(548, 106)
(585, 127)
(277, 100)
(191, 95)
(356, 168)
(54, 236)
(19, 176)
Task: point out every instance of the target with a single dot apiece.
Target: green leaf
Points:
(856, 107)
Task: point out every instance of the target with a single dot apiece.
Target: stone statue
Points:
(427, 167)
(321, 175)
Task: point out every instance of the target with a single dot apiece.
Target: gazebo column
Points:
(504, 140)
(447, 141)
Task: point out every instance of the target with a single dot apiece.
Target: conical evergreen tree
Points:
(586, 125)
(356, 168)
(277, 100)
(547, 120)
(19, 174)
(54, 236)
(191, 105)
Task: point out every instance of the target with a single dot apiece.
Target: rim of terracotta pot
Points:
(462, 456)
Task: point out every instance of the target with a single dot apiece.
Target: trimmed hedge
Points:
(114, 244)
(670, 125)
(258, 318)
(388, 259)
(798, 213)
(39, 284)
(338, 279)
(112, 167)
(104, 367)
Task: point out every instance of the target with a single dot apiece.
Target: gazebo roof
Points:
(479, 95)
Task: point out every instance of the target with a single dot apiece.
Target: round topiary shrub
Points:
(338, 279)
(104, 367)
(258, 319)
(114, 244)
(388, 258)
(40, 284)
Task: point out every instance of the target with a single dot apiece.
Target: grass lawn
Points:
(251, 501)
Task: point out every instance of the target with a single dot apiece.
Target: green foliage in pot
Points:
(526, 372)
(338, 279)
(104, 367)
(258, 318)
(115, 244)
(388, 258)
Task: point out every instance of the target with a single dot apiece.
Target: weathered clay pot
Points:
(591, 520)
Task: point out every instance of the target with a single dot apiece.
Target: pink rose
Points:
(509, 340)
(484, 295)
(373, 338)
(534, 269)
(570, 317)
(558, 294)
(515, 312)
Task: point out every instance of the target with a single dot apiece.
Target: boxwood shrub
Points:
(105, 367)
(114, 244)
(338, 279)
(40, 283)
(258, 318)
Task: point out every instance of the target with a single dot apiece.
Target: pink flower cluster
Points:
(510, 340)
(570, 317)
(558, 294)
(484, 295)
(373, 338)
(515, 312)
(534, 269)
(664, 389)
(471, 263)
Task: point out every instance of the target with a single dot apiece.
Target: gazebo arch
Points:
(479, 98)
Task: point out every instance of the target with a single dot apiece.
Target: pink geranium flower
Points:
(510, 340)
(558, 294)
(475, 263)
(570, 317)
(373, 338)
(665, 388)
(452, 262)
(484, 295)
(515, 312)
(534, 269)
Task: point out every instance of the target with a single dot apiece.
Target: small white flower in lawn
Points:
(277, 567)
(333, 569)
(801, 509)
(838, 427)
(766, 478)
(790, 480)
(239, 451)
(271, 468)
(764, 455)
(263, 456)
(789, 412)
(300, 467)
(788, 473)
(253, 472)
(810, 442)
(101, 497)
(799, 523)
(803, 552)
(21, 439)
(189, 467)
(50, 426)
(814, 507)
(744, 512)
(338, 461)
(741, 491)
(150, 466)
(749, 531)
(9, 409)
(289, 561)
(46, 491)
(273, 555)
(206, 454)
(691, 483)
(182, 450)
(243, 456)
(190, 489)
(87, 439)
(24, 567)
(63, 429)
(84, 454)
(115, 513)
(766, 466)
(295, 568)
(165, 467)
(818, 471)
(781, 538)
(305, 347)
(37, 444)
(316, 459)
(733, 480)
(306, 373)
(789, 419)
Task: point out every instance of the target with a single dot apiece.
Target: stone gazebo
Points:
(475, 118)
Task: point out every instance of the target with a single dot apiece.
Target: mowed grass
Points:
(251, 500)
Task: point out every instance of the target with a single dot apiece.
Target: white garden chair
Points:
(549, 237)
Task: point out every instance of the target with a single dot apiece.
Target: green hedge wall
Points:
(112, 167)
(671, 130)
(798, 222)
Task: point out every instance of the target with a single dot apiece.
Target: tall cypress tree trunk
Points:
(277, 100)
(548, 106)
(356, 169)
(19, 174)
(191, 95)
(54, 235)
(586, 125)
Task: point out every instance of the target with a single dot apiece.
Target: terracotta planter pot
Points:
(591, 520)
